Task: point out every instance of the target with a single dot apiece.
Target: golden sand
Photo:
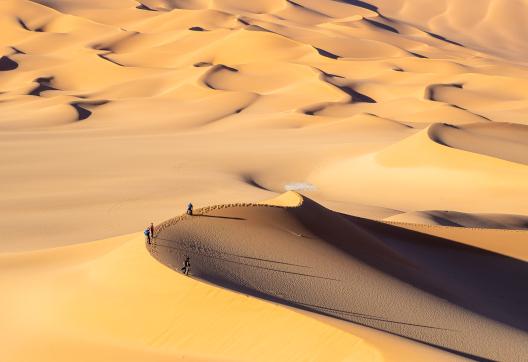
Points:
(407, 116)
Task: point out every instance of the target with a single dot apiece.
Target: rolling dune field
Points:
(390, 138)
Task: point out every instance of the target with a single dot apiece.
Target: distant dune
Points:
(148, 101)
(407, 118)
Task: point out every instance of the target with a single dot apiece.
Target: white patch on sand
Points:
(299, 186)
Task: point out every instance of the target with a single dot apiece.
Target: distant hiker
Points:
(147, 235)
(152, 230)
(190, 209)
(186, 266)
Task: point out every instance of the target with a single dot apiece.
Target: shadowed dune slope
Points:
(109, 300)
(487, 234)
(505, 141)
(451, 295)
(115, 113)
(453, 218)
(332, 93)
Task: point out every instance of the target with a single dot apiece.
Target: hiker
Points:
(186, 266)
(152, 230)
(190, 209)
(147, 235)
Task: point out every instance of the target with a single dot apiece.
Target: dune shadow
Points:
(81, 107)
(366, 316)
(475, 277)
(208, 252)
(24, 26)
(439, 37)
(430, 90)
(335, 272)
(382, 26)
(7, 64)
(418, 55)
(355, 95)
(349, 316)
(219, 217)
(105, 57)
(314, 110)
(44, 84)
(82, 113)
(360, 4)
(250, 180)
(326, 53)
(17, 51)
(215, 69)
(202, 64)
(142, 6)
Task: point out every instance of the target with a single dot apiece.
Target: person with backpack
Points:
(186, 266)
(190, 209)
(147, 235)
(152, 230)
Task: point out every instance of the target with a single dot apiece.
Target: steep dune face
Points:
(110, 300)
(426, 288)
(116, 113)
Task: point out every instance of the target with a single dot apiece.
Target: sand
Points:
(407, 118)
(110, 300)
(358, 270)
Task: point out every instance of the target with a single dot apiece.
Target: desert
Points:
(358, 171)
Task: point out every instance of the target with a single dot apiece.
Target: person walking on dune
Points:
(152, 230)
(186, 266)
(147, 235)
(190, 209)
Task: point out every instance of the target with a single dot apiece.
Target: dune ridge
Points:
(407, 117)
(469, 169)
(126, 305)
(289, 199)
(315, 259)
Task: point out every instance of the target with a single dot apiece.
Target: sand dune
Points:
(357, 270)
(453, 218)
(110, 300)
(504, 141)
(492, 22)
(411, 113)
(465, 173)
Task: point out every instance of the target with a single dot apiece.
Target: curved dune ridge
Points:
(453, 218)
(294, 251)
(504, 141)
(406, 116)
(110, 300)
(461, 163)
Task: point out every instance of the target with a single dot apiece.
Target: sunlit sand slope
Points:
(111, 301)
(430, 289)
(443, 167)
(116, 113)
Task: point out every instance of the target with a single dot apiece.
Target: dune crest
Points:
(409, 117)
(287, 199)
(126, 305)
(315, 259)
(505, 141)
(451, 161)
